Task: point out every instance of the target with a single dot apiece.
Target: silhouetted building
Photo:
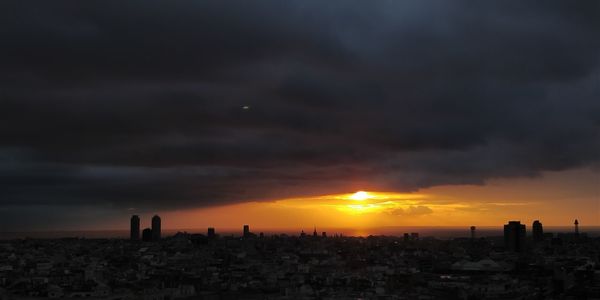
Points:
(324, 234)
(315, 234)
(211, 233)
(156, 228)
(134, 229)
(414, 236)
(246, 231)
(302, 234)
(514, 236)
(473, 232)
(147, 235)
(576, 227)
(538, 231)
(406, 237)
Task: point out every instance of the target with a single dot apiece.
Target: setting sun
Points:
(360, 196)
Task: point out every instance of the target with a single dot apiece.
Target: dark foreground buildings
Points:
(305, 266)
(193, 266)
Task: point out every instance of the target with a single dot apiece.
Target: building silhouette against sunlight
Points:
(538, 231)
(147, 235)
(210, 233)
(134, 229)
(156, 228)
(514, 236)
(246, 233)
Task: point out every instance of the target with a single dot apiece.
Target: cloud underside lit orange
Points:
(350, 210)
(552, 198)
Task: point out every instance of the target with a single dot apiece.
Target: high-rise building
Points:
(246, 231)
(134, 229)
(147, 235)
(155, 228)
(514, 236)
(315, 234)
(211, 233)
(414, 236)
(576, 227)
(473, 232)
(538, 231)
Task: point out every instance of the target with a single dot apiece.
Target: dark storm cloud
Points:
(140, 104)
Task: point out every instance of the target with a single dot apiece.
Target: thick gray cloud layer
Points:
(140, 104)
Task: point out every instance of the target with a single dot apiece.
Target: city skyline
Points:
(299, 149)
(515, 233)
(303, 265)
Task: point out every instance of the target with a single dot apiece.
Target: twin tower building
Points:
(148, 234)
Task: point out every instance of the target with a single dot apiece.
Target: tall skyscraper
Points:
(538, 231)
(134, 229)
(514, 236)
(210, 233)
(155, 228)
(246, 231)
(576, 227)
(473, 232)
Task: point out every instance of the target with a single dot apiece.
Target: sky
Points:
(275, 113)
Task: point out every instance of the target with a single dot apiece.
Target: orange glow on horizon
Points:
(354, 210)
(492, 204)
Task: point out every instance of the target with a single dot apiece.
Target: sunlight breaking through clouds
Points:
(363, 202)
